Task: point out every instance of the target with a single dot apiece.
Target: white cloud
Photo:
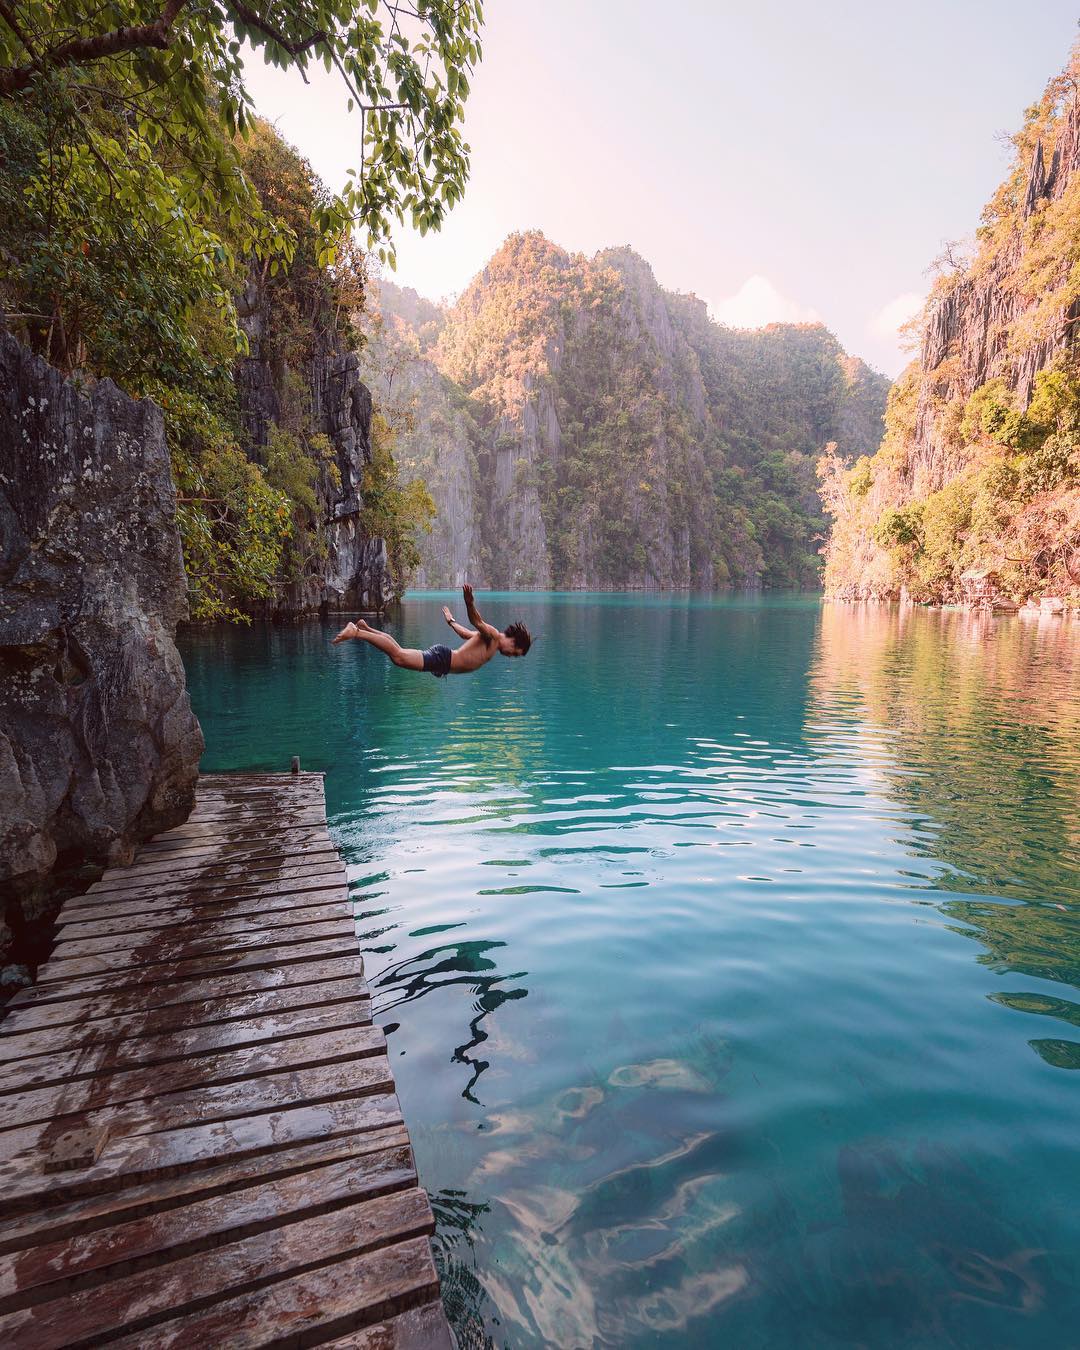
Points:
(891, 317)
(758, 302)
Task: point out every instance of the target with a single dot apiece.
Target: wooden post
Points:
(295, 764)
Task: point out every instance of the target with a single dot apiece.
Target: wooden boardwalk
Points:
(200, 1142)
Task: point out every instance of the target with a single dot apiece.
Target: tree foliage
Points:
(148, 219)
(172, 72)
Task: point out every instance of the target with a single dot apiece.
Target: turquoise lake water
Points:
(728, 951)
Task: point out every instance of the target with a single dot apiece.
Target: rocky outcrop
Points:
(350, 571)
(99, 747)
(964, 486)
(579, 426)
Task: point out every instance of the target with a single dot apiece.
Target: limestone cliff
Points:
(99, 747)
(975, 493)
(579, 426)
(348, 569)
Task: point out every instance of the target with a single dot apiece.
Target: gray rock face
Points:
(434, 441)
(353, 571)
(966, 339)
(99, 747)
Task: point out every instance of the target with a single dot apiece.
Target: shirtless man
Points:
(481, 643)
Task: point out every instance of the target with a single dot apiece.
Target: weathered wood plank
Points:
(147, 954)
(229, 875)
(423, 1328)
(173, 999)
(255, 858)
(328, 1301)
(273, 841)
(146, 899)
(233, 823)
(64, 1266)
(95, 1057)
(270, 1092)
(234, 785)
(140, 1158)
(314, 841)
(118, 936)
(221, 964)
(191, 1018)
(250, 805)
(198, 1057)
(119, 1087)
(152, 911)
(57, 1223)
(250, 836)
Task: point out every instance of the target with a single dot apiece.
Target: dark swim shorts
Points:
(437, 660)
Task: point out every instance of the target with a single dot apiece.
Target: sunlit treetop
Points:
(174, 71)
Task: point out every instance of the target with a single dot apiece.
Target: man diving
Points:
(481, 643)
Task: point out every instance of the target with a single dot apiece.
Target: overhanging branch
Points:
(84, 50)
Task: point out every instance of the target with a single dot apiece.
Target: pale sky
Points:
(782, 160)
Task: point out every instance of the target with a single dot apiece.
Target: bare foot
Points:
(349, 631)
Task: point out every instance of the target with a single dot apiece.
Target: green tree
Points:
(174, 71)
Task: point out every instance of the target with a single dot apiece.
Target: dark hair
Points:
(521, 635)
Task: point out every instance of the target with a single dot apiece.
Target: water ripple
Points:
(729, 953)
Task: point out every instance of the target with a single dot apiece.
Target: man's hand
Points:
(459, 628)
(484, 629)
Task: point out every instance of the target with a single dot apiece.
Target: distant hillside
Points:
(975, 492)
(580, 427)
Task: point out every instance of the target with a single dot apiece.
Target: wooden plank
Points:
(149, 898)
(239, 784)
(139, 1158)
(291, 812)
(267, 853)
(66, 1265)
(91, 939)
(237, 803)
(328, 1301)
(272, 841)
(359, 1077)
(223, 963)
(153, 911)
(92, 1023)
(255, 857)
(200, 1141)
(194, 1017)
(204, 834)
(148, 953)
(225, 879)
(58, 1223)
(94, 1057)
(231, 874)
(144, 998)
(112, 1089)
(423, 1328)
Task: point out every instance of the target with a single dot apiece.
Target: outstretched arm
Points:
(459, 628)
(484, 629)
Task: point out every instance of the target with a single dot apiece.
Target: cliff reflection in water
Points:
(966, 723)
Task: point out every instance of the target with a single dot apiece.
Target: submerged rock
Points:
(99, 747)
